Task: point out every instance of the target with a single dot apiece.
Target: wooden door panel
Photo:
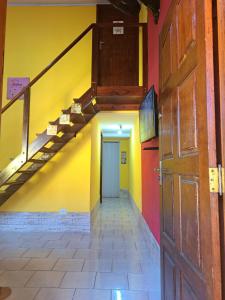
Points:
(187, 120)
(186, 153)
(169, 54)
(169, 269)
(167, 128)
(168, 206)
(187, 292)
(189, 220)
(186, 30)
(166, 58)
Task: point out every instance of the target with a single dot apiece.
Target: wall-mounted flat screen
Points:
(149, 116)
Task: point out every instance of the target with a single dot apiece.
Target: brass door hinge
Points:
(216, 180)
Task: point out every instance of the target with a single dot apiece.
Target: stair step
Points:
(47, 150)
(77, 118)
(72, 129)
(60, 140)
(2, 193)
(16, 182)
(38, 161)
(26, 172)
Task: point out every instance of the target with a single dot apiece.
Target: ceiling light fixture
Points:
(120, 130)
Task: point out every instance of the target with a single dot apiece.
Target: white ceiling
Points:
(56, 2)
(116, 130)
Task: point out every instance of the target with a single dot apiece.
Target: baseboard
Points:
(40, 222)
(151, 240)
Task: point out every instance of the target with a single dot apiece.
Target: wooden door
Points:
(219, 50)
(190, 253)
(3, 5)
(118, 53)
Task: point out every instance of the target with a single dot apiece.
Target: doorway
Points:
(118, 66)
(111, 170)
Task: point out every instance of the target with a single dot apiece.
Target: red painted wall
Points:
(150, 159)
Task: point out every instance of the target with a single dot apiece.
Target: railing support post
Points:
(26, 123)
(95, 56)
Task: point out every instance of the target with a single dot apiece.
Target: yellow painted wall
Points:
(95, 162)
(135, 165)
(124, 168)
(34, 36)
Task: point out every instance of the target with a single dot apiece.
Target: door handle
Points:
(160, 170)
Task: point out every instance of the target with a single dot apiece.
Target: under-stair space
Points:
(48, 144)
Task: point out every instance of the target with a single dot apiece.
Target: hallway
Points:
(115, 262)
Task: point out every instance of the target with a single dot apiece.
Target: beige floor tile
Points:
(62, 253)
(111, 281)
(59, 244)
(84, 280)
(69, 265)
(97, 265)
(12, 252)
(130, 295)
(23, 294)
(126, 266)
(46, 279)
(15, 278)
(55, 294)
(13, 264)
(142, 282)
(37, 253)
(87, 294)
(41, 264)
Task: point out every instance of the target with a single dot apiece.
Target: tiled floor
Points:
(113, 262)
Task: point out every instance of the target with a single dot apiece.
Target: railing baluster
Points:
(95, 55)
(26, 123)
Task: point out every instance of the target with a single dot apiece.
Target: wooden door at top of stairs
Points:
(190, 252)
(118, 51)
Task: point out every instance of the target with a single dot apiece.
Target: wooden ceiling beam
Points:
(131, 7)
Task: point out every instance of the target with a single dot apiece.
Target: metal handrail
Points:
(43, 72)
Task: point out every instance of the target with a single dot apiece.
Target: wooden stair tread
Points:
(16, 182)
(47, 150)
(60, 140)
(38, 161)
(77, 118)
(71, 129)
(27, 171)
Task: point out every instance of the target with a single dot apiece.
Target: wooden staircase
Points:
(59, 132)
(46, 145)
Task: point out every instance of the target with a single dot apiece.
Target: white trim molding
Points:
(151, 240)
(39, 222)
